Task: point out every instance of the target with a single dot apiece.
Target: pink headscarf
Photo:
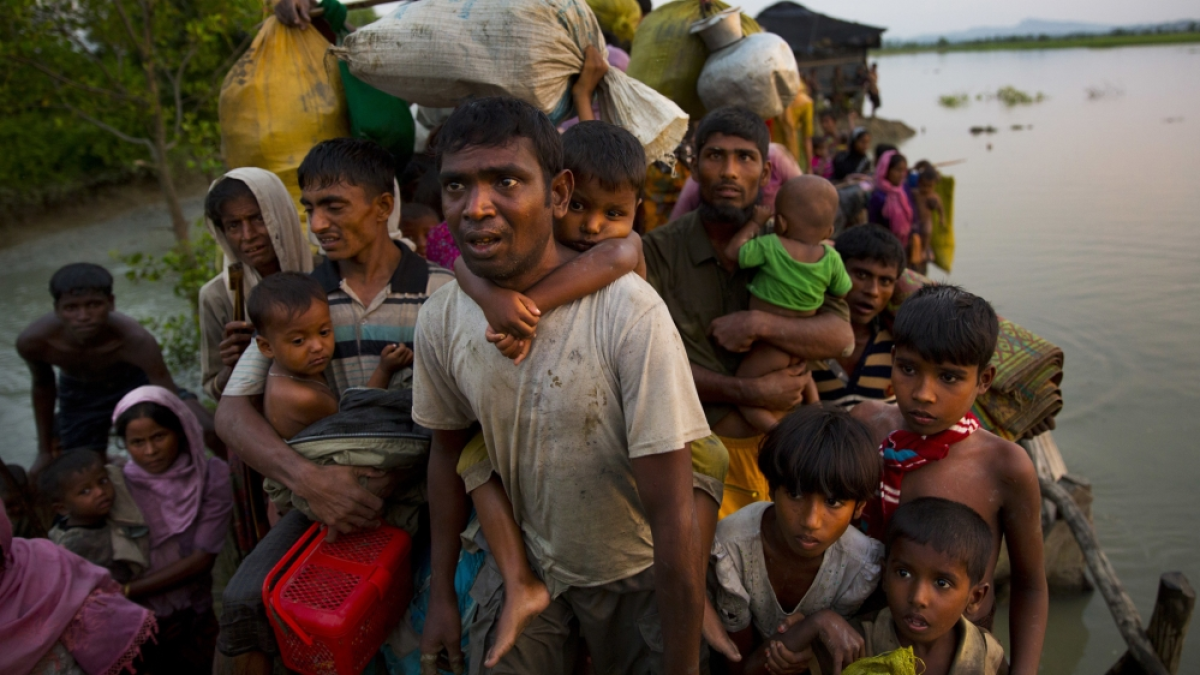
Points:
(897, 208)
(48, 595)
(176, 492)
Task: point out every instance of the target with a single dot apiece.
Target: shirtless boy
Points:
(101, 356)
(944, 339)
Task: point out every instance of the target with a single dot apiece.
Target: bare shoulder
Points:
(33, 342)
(1006, 458)
(131, 331)
(880, 417)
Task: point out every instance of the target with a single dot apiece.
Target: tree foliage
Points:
(144, 72)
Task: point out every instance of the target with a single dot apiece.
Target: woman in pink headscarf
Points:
(187, 502)
(61, 614)
(890, 204)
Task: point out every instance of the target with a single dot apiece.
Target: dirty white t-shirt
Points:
(606, 381)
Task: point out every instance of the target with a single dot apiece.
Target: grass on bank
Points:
(1047, 42)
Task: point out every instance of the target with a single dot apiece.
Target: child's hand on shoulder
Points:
(512, 314)
(509, 346)
(763, 213)
(395, 357)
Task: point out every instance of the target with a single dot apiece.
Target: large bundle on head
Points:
(438, 53)
(669, 57)
(619, 18)
(757, 71)
(278, 101)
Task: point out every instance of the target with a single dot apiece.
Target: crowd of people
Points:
(707, 444)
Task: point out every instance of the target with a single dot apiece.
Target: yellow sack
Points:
(897, 662)
(669, 58)
(617, 17)
(942, 237)
(278, 101)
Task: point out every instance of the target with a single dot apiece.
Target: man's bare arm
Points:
(664, 483)
(824, 336)
(780, 390)
(333, 492)
(448, 511)
(44, 394)
(1021, 521)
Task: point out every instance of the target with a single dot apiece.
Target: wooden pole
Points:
(1168, 624)
(1119, 603)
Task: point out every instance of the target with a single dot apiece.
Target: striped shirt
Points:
(871, 379)
(360, 330)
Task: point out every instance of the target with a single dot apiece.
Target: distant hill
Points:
(1025, 27)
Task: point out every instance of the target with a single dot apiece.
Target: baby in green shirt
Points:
(796, 271)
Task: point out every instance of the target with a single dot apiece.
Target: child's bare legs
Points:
(763, 358)
(712, 629)
(525, 596)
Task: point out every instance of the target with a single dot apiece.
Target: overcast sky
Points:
(906, 18)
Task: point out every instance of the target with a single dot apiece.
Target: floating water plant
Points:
(954, 100)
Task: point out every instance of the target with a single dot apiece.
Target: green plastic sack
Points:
(619, 18)
(379, 116)
(897, 662)
(669, 59)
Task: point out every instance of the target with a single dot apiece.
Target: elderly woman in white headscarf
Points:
(254, 220)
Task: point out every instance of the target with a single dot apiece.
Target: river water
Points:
(1085, 230)
(1077, 228)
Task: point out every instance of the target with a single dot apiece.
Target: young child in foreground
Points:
(609, 168)
(95, 517)
(796, 271)
(798, 554)
(934, 575)
(933, 446)
(290, 313)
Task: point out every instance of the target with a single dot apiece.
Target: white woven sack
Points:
(652, 118)
(758, 72)
(438, 53)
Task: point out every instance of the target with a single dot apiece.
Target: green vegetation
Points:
(954, 100)
(188, 266)
(1114, 39)
(1011, 96)
(98, 90)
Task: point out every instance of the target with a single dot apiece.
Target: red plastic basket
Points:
(333, 605)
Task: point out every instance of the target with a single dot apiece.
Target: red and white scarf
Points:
(905, 451)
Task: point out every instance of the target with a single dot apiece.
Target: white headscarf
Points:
(283, 227)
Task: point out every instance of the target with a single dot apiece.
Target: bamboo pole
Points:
(1168, 624)
(1119, 603)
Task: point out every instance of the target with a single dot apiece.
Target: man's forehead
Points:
(720, 141)
(517, 153)
(876, 267)
(337, 189)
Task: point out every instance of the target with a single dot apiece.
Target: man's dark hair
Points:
(496, 121)
(827, 114)
(353, 161)
(80, 278)
(646, 6)
(606, 153)
(871, 242)
(820, 450)
(734, 120)
(226, 190)
(52, 483)
(945, 324)
(948, 527)
(929, 175)
(282, 297)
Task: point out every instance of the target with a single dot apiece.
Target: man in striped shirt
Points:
(874, 259)
(375, 287)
